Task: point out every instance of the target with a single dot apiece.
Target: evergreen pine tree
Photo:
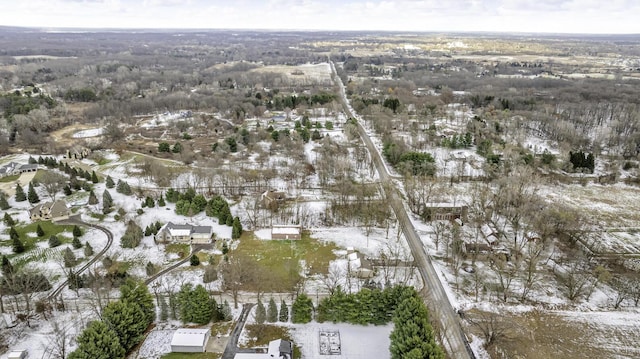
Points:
(109, 182)
(69, 258)
(412, 333)
(261, 314)
(107, 202)
(77, 232)
(123, 187)
(88, 250)
(236, 231)
(98, 341)
(272, 311)
(204, 308)
(92, 198)
(67, 190)
(161, 202)
(76, 243)
(13, 234)
(195, 261)
(32, 195)
(283, 315)
(302, 309)
(124, 318)
(17, 245)
(4, 205)
(7, 268)
(226, 311)
(20, 196)
(54, 241)
(8, 220)
(39, 231)
(137, 292)
(94, 177)
(195, 304)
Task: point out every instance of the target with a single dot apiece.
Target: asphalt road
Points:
(455, 342)
(232, 345)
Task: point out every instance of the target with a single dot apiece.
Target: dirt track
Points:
(10, 187)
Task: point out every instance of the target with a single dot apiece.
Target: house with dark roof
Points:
(184, 233)
(50, 211)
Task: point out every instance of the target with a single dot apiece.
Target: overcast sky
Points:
(559, 16)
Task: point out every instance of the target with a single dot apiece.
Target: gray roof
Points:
(285, 346)
(9, 167)
(27, 167)
(188, 227)
(201, 229)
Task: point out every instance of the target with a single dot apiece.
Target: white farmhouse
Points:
(184, 233)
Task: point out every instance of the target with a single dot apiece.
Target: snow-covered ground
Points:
(88, 133)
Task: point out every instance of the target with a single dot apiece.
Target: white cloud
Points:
(614, 16)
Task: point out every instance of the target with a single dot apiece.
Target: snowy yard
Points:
(357, 342)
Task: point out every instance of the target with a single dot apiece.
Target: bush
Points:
(76, 243)
(194, 261)
(132, 236)
(54, 241)
(302, 310)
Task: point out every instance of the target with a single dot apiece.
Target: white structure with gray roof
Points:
(184, 233)
(190, 340)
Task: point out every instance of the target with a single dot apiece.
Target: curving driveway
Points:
(77, 221)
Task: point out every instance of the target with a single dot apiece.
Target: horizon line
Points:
(204, 29)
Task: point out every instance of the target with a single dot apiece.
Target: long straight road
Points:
(454, 340)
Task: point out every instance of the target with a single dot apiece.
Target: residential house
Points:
(13, 168)
(190, 340)
(278, 349)
(446, 212)
(272, 199)
(286, 232)
(360, 265)
(50, 211)
(8, 169)
(184, 233)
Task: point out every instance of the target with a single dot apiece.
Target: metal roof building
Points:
(188, 340)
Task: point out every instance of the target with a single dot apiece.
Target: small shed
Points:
(286, 232)
(17, 354)
(190, 340)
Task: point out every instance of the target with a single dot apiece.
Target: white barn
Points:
(286, 232)
(188, 340)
